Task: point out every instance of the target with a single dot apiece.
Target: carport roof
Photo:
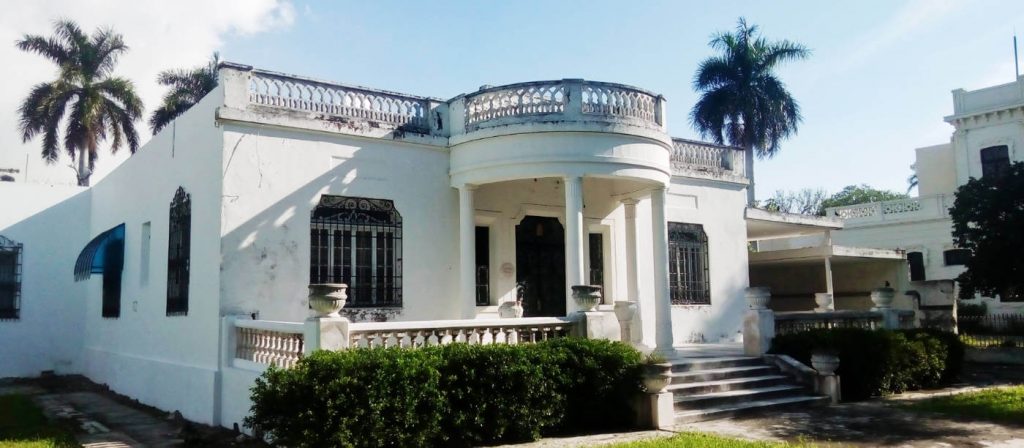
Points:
(765, 225)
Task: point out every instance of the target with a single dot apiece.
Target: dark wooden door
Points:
(540, 266)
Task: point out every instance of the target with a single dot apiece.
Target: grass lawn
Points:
(700, 440)
(23, 425)
(1002, 404)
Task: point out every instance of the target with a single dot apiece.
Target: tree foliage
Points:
(988, 220)
(187, 87)
(859, 194)
(742, 100)
(97, 105)
(805, 202)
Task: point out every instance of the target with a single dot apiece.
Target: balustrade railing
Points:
(566, 100)
(936, 206)
(470, 331)
(269, 342)
(289, 92)
(687, 155)
(795, 322)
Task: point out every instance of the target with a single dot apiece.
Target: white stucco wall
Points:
(930, 237)
(49, 222)
(165, 361)
(718, 206)
(274, 177)
(936, 170)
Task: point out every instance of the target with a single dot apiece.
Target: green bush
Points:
(880, 362)
(455, 395)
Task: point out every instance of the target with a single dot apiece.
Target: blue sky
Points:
(876, 87)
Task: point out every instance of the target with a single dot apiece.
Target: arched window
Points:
(688, 270)
(10, 279)
(358, 241)
(995, 160)
(179, 248)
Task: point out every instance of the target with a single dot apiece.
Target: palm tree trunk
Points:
(83, 165)
(748, 152)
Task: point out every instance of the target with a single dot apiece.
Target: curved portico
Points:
(582, 152)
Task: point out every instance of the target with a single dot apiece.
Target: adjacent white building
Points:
(427, 208)
(988, 135)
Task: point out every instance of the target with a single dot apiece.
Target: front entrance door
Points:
(540, 266)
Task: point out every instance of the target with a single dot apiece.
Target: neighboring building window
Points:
(483, 275)
(688, 268)
(916, 262)
(358, 241)
(995, 160)
(179, 246)
(596, 241)
(10, 279)
(956, 257)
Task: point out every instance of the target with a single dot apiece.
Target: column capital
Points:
(658, 188)
(629, 201)
(468, 187)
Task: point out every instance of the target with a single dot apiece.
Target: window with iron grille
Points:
(995, 160)
(483, 262)
(688, 270)
(358, 242)
(179, 247)
(916, 262)
(596, 241)
(956, 257)
(10, 279)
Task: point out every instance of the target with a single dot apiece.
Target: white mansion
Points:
(428, 209)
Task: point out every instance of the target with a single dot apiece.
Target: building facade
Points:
(428, 209)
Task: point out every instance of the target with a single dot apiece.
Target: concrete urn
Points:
(657, 377)
(824, 362)
(587, 297)
(512, 309)
(883, 297)
(758, 297)
(824, 302)
(327, 299)
(624, 311)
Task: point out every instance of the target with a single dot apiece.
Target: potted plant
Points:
(586, 296)
(327, 299)
(657, 373)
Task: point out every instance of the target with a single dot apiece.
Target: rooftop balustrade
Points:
(688, 156)
(900, 210)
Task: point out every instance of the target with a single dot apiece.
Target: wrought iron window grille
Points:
(10, 279)
(179, 256)
(689, 279)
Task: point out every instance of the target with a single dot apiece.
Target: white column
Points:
(828, 263)
(632, 285)
(467, 251)
(573, 238)
(662, 300)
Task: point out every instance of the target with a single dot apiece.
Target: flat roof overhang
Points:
(817, 255)
(765, 225)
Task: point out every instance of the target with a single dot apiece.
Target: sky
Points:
(876, 86)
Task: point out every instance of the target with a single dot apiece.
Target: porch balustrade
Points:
(269, 342)
(470, 331)
(689, 156)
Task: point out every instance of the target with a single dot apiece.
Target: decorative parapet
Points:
(268, 342)
(567, 100)
(689, 157)
(912, 209)
(470, 331)
(795, 322)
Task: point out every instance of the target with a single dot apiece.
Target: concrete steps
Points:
(710, 388)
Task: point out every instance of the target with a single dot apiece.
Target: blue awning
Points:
(105, 253)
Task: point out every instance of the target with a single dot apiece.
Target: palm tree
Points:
(742, 100)
(187, 88)
(97, 104)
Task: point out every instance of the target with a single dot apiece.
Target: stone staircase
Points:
(710, 388)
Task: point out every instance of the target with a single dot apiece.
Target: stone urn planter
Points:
(824, 302)
(758, 297)
(883, 297)
(511, 309)
(825, 362)
(327, 299)
(657, 376)
(587, 297)
(624, 311)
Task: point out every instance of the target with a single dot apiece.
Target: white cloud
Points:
(160, 35)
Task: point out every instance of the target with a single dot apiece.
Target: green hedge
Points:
(881, 362)
(455, 395)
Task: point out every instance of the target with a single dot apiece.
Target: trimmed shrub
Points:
(880, 362)
(455, 395)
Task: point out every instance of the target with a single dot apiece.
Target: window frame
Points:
(482, 263)
(954, 254)
(17, 249)
(923, 267)
(995, 160)
(179, 253)
(366, 235)
(695, 253)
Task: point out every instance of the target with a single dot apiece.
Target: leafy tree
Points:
(806, 201)
(187, 87)
(859, 194)
(988, 218)
(97, 104)
(742, 101)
